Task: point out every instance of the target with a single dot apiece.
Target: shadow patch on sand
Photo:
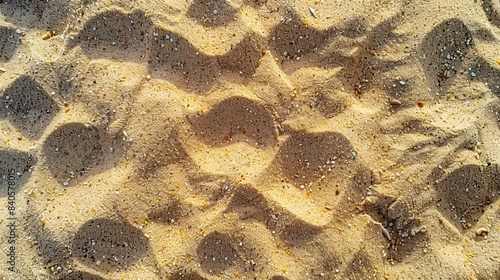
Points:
(216, 252)
(15, 168)
(293, 39)
(487, 74)
(212, 13)
(170, 56)
(360, 266)
(80, 275)
(175, 59)
(36, 14)
(219, 251)
(28, 106)
(491, 10)
(115, 35)
(305, 157)
(9, 42)
(328, 103)
(169, 212)
(263, 4)
(396, 216)
(366, 67)
(278, 278)
(107, 245)
(75, 149)
(465, 193)
(236, 119)
(249, 203)
(442, 52)
(163, 152)
(298, 45)
(180, 275)
(494, 111)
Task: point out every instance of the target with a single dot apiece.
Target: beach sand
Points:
(249, 139)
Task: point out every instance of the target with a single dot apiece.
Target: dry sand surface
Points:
(244, 139)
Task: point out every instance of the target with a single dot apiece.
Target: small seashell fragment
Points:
(482, 231)
(313, 12)
(47, 35)
(395, 102)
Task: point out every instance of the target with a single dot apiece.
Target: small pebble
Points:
(47, 35)
(395, 102)
(313, 12)
(482, 231)
(473, 74)
(403, 83)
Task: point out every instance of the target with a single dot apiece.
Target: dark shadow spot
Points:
(305, 157)
(403, 246)
(487, 74)
(175, 59)
(278, 278)
(396, 217)
(327, 263)
(442, 52)
(9, 42)
(328, 103)
(28, 106)
(297, 45)
(115, 35)
(163, 152)
(129, 37)
(73, 150)
(465, 193)
(212, 13)
(494, 111)
(169, 212)
(15, 169)
(491, 8)
(216, 252)
(108, 246)
(292, 38)
(80, 275)
(243, 58)
(379, 208)
(258, 4)
(395, 89)
(365, 68)
(50, 15)
(292, 230)
(360, 267)
(236, 119)
(180, 275)
(249, 203)
(411, 125)
(54, 252)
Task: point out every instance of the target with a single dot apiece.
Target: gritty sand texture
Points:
(243, 139)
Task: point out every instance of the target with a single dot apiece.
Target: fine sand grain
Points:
(249, 139)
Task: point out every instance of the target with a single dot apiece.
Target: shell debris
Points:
(313, 12)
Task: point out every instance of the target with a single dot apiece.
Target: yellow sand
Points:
(242, 139)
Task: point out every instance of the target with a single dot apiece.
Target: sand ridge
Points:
(251, 139)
